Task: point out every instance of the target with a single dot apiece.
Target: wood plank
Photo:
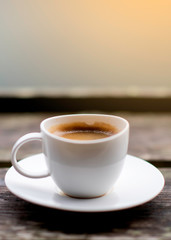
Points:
(90, 99)
(22, 220)
(91, 103)
(150, 135)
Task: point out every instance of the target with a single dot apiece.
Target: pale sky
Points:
(94, 43)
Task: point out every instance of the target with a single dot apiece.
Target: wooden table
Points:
(150, 139)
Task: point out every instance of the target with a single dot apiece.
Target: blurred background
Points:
(67, 44)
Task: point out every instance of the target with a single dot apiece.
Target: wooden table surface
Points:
(150, 139)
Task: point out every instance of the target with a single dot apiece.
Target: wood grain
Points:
(22, 220)
(150, 135)
(150, 138)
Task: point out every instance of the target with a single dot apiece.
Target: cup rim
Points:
(106, 139)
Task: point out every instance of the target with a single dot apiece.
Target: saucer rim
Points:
(73, 209)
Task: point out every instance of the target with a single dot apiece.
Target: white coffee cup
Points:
(80, 168)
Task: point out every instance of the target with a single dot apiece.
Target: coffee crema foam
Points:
(83, 131)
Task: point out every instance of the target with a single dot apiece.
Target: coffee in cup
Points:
(83, 130)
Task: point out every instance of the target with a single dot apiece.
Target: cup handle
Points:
(24, 139)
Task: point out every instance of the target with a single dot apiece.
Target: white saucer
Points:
(139, 183)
